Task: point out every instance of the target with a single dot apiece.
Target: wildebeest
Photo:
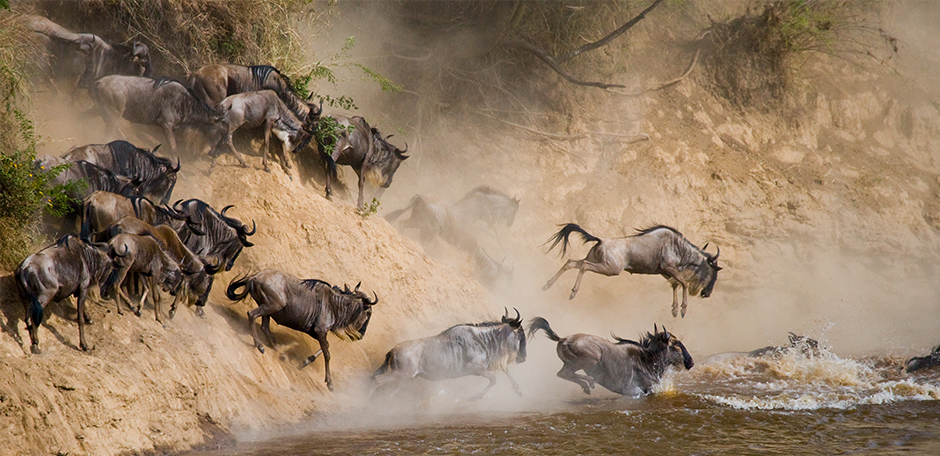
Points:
(101, 209)
(626, 367)
(142, 255)
(213, 83)
(482, 204)
(163, 102)
(85, 57)
(95, 178)
(803, 345)
(459, 351)
(309, 306)
(924, 362)
(70, 267)
(364, 149)
(157, 174)
(657, 250)
(197, 272)
(224, 236)
(264, 108)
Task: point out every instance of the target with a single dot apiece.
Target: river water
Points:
(785, 404)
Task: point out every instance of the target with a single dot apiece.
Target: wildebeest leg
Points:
(170, 137)
(515, 386)
(266, 328)
(266, 145)
(231, 146)
(672, 273)
(156, 299)
(487, 375)
(598, 268)
(569, 265)
(569, 373)
(325, 346)
(311, 358)
(261, 311)
(80, 296)
(362, 183)
(118, 291)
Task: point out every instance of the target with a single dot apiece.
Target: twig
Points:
(671, 81)
(591, 46)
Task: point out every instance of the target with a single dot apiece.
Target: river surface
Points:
(784, 404)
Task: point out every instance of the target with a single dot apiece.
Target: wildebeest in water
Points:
(924, 362)
(459, 351)
(310, 306)
(626, 367)
(657, 250)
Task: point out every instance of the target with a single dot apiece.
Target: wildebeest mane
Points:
(312, 283)
(641, 232)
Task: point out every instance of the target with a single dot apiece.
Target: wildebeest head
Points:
(386, 160)
(518, 333)
(141, 57)
(361, 306)
(663, 348)
(712, 272)
(924, 362)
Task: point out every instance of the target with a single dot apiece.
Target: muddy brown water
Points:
(788, 404)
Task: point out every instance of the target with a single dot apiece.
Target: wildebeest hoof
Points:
(87, 347)
(171, 313)
(675, 312)
(573, 294)
(519, 393)
(586, 390)
(260, 348)
(546, 286)
(35, 349)
(200, 312)
(137, 312)
(330, 386)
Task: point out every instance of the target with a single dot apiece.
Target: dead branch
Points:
(554, 62)
(671, 82)
(603, 41)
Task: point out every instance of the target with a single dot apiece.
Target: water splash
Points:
(798, 380)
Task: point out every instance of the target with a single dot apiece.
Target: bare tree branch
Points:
(554, 62)
(550, 61)
(601, 42)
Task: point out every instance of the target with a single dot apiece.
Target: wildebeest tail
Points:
(384, 367)
(564, 232)
(541, 323)
(392, 216)
(86, 221)
(35, 307)
(328, 159)
(239, 282)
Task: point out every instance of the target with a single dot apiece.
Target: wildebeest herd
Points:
(133, 244)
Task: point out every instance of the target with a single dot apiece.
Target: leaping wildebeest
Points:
(309, 306)
(163, 102)
(84, 57)
(657, 250)
(157, 174)
(70, 267)
(459, 351)
(364, 149)
(264, 108)
(626, 367)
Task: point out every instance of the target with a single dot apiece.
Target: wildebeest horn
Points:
(177, 164)
(357, 287)
(157, 148)
(226, 208)
(518, 315)
(715, 258)
(213, 267)
(177, 203)
(346, 288)
(705, 246)
(126, 248)
(376, 301)
(253, 229)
